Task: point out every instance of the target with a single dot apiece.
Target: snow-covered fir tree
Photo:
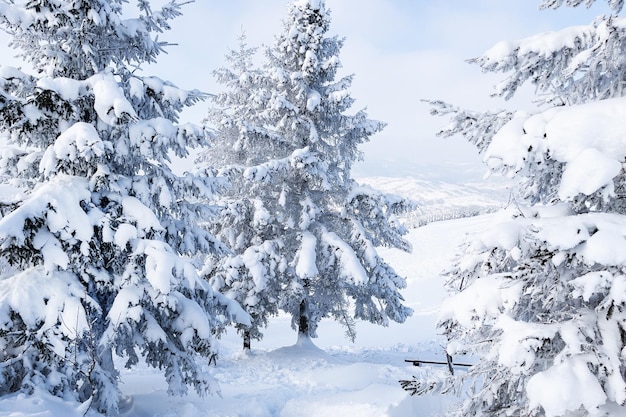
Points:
(250, 274)
(100, 226)
(303, 233)
(539, 297)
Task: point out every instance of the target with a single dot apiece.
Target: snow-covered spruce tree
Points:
(304, 235)
(99, 230)
(539, 298)
(250, 274)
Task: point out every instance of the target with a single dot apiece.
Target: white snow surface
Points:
(110, 101)
(590, 139)
(305, 267)
(313, 100)
(328, 376)
(314, 4)
(67, 88)
(582, 388)
(543, 44)
(349, 265)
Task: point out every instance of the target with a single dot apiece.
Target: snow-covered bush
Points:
(538, 298)
(302, 232)
(96, 231)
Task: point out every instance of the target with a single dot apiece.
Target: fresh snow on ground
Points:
(329, 376)
(326, 377)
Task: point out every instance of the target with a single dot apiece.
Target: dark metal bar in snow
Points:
(417, 362)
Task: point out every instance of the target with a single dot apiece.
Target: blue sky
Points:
(401, 51)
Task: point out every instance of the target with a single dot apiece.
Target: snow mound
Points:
(303, 349)
(40, 404)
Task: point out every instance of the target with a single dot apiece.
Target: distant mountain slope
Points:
(438, 200)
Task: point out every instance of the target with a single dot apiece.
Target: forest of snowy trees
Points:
(110, 258)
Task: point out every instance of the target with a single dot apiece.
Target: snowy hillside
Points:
(287, 380)
(439, 200)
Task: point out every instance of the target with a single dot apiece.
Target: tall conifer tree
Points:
(97, 232)
(538, 298)
(303, 232)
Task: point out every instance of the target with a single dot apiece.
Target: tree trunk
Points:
(246, 340)
(303, 321)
